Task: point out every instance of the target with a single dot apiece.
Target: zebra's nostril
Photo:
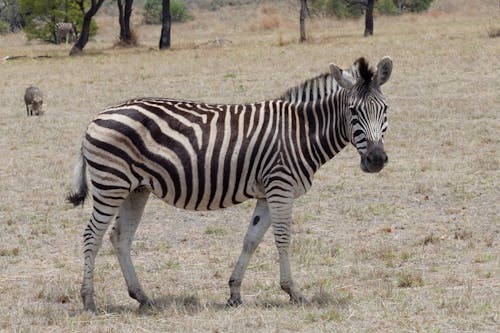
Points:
(386, 159)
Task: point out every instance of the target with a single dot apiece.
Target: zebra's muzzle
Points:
(375, 158)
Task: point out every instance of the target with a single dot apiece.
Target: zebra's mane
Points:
(319, 86)
(364, 70)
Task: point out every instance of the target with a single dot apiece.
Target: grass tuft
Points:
(132, 42)
(213, 230)
(429, 239)
(14, 252)
(410, 279)
(340, 298)
(463, 234)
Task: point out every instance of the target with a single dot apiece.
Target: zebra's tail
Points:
(80, 189)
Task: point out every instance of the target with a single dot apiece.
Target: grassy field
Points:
(412, 249)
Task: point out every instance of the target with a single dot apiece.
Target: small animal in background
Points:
(65, 31)
(33, 98)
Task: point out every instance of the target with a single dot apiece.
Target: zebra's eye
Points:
(352, 109)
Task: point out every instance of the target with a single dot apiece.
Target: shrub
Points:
(4, 27)
(351, 8)
(152, 12)
(339, 8)
(413, 5)
(178, 11)
(9, 14)
(386, 7)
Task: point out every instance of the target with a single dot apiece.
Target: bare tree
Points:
(304, 10)
(125, 11)
(369, 5)
(166, 21)
(369, 17)
(85, 30)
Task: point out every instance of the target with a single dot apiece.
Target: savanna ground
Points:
(412, 249)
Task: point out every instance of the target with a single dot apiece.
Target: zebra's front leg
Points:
(261, 219)
(281, 214)
(121, 237)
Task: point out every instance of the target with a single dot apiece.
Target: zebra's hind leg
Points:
(103, 212)
(121, 237)
(259, 224)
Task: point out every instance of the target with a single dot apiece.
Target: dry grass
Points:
(413, 249)
(270, 17)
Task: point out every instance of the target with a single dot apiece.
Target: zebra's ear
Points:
(384, 70)
(343, 78)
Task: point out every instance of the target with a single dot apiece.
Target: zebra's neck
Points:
(323, 129)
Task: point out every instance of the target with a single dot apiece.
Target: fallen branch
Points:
(14, 57)
(24, 56)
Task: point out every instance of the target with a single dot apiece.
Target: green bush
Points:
(351, 8)
(178, 11)
(339, 8)
(10, 14)
(41, 17)
(416, 5)
(152, 12)
(386, 7)
(4, 27)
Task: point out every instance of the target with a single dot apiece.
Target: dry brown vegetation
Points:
(412, 249)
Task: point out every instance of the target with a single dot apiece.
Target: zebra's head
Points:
(366, 109)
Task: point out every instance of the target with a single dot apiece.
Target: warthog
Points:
(33, 98)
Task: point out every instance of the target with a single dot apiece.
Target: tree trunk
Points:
(166, 21)
(125, 11)
(85, 31)
(303, 11)
(369, 18)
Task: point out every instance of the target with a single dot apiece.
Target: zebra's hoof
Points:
(89, 306)
(234, 302)
(146, 305)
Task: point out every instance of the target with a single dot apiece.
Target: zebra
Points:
(65, 31)
(199, 156)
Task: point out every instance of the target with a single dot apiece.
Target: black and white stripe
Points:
(200, 156)
(65, 31)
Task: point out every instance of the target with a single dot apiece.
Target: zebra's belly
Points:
(213, 201)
